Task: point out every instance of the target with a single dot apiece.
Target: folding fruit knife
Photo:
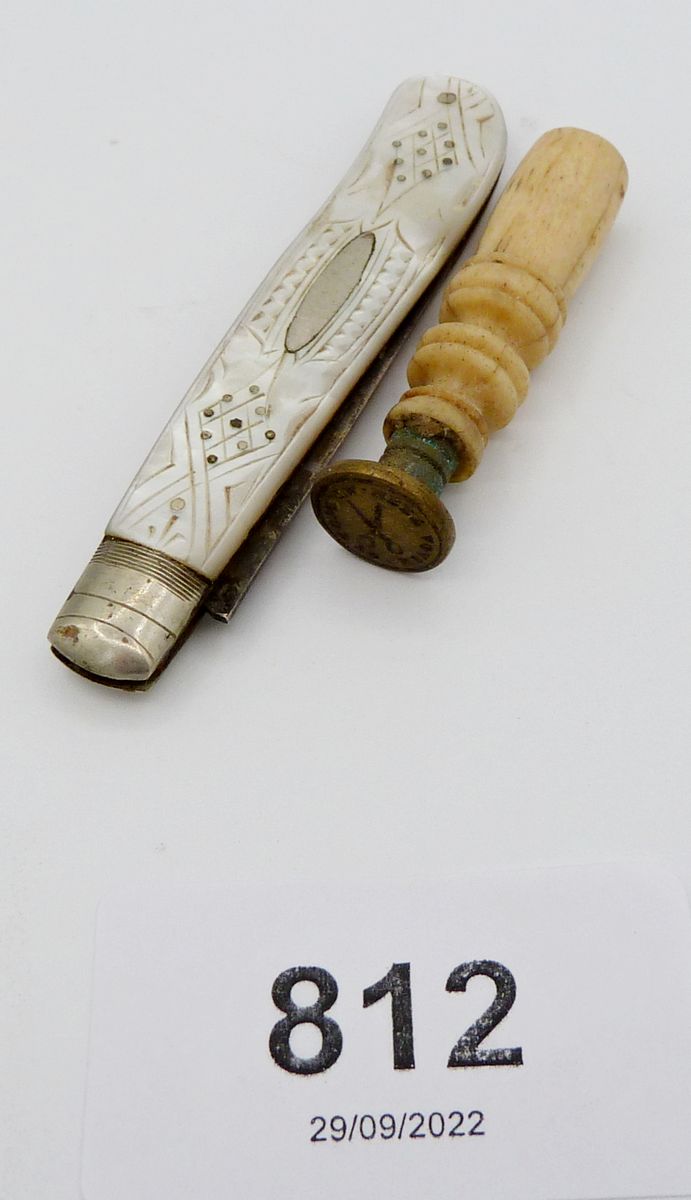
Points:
(280, 393)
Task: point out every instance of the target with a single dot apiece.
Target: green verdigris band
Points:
(431, 460)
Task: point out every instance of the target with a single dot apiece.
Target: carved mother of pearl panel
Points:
(317, 321)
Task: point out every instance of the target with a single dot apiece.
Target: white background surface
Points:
(184, 1098)
(527, 702)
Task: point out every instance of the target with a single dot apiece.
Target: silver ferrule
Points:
(127, 612)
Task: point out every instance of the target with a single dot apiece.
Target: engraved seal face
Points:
(383, 515)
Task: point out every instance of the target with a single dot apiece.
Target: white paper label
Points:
(516, 1034)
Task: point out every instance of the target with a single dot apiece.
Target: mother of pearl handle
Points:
(316, 323)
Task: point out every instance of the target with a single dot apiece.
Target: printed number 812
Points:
(396, 984)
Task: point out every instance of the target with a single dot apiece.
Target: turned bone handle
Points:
(503, 311)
